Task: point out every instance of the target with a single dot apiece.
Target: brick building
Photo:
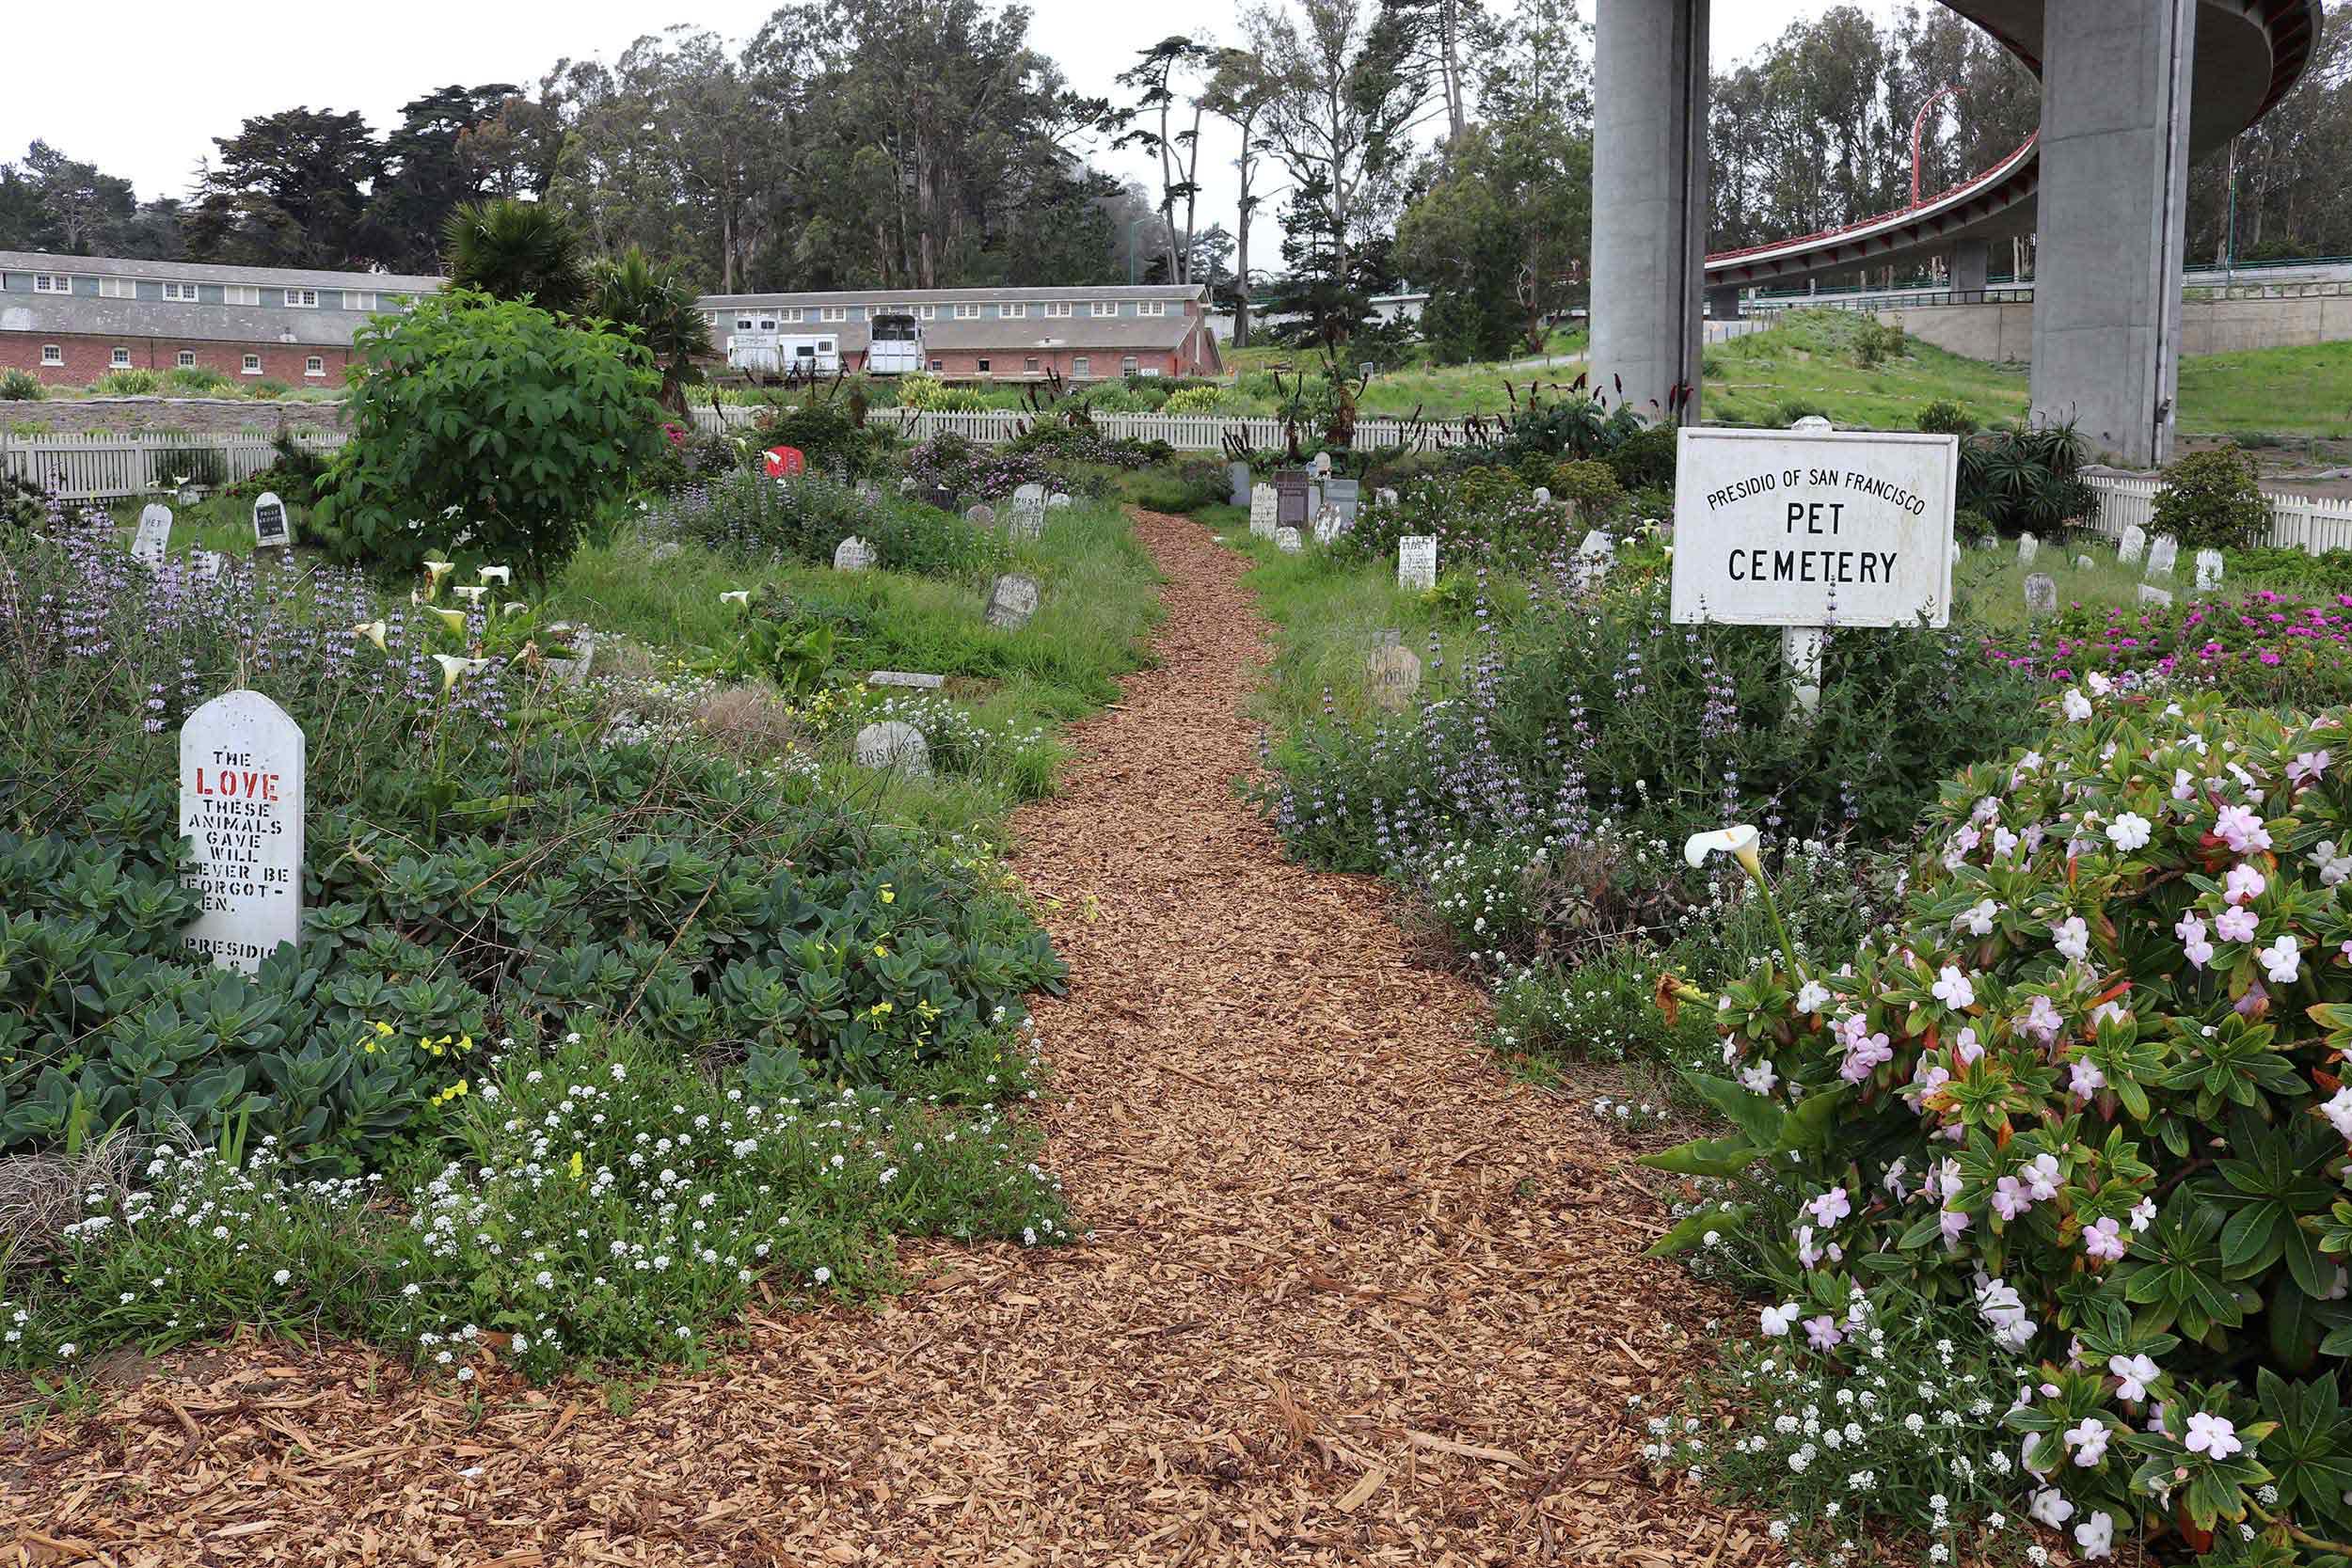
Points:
(71, 319)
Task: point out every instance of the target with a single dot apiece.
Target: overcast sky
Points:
(140, 89)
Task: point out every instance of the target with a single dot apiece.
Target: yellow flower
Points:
(576, 1166)
(926, 1011)
(465, 1042)
(382, 1027)
(880, 1009)
(889, 896)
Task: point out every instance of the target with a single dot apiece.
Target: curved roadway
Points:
(2249, 55)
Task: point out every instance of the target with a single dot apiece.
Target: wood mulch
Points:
(1352, 1295)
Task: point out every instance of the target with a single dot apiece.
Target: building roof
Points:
(206, 272)
(85, 316)
(951, 296)
(995, 335)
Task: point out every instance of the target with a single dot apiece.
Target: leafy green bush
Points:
(1945, 417)
(1971, 526)
(1645, 459)
(206, 467)
(24, 506)
(1194, 400)
(1876, 342)
(2027, 478)
(1590, 489)
(20, 386)
(195, 380)
(2212, 499)
(749, 517)
(489, 412)
(830, 432)
(136, 383)
(2092, 1088)
(268, 389)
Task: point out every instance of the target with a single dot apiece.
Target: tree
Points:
(1430, 32)
(427, 170)
(654, 307)
(517, 250)
(287, 191)
(1154, 127)
(1239, 93)
(1501, 235)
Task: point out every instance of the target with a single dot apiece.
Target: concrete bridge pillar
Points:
(2106, 320)
(1649, 197)
(1971, 265)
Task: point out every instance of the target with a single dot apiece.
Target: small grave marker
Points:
(1323, 465)
(1543, 494)
(2028, 548)
(2208, 571)
(270, 526)
(1237, 475)
(1417, 562)
(1262, 512)
(980, 514)
(1291, 501)
(2133, 545)
(1012, 600)
(852, 555)
(2083, 563)
(1345, 496)
(2162, 555)
(1055, 501)
(895, 744)
(914, 680)
(1593, 557)
(2151, 594)
(2040, 594)
(1329, 525)
(1287, 541)
(242, 770)
(152, 542)
(1386, 496)
(1392, 674)
(1812, 424)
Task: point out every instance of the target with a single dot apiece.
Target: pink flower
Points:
(1952, 1222)
(2215, 1437)
(2089, 1441)
(1830, 1207)
(2102, 1241)
(2307, 767)
(2243, 884)
(2235, 924)
(2084, 1080)
(2043, 1018)
(1967, 1049)
(2241, 830)
(2135, 1372)
(2010, 1198)
(2041, 1173)
(1863, 1057)
(2282, 961)
(1822, 1332)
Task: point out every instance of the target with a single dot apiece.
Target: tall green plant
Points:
(517, 250)
(655, 305)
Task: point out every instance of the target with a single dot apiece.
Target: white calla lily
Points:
(737, 596)
(470, 593)
(454, 619)
(1738, 841)
(502, 574)
(453, 667)
(515, 606)
(372, 631)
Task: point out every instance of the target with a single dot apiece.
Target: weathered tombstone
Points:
(153, 540)
(665, 550)
(2151, 594)
(1593, 557)
(980, 514)
(914, 680)
(2028, 548)
(1386, 496)
(1237, 475)
(1392, 674)
(270, 526)
(1417, 562)
(895, 744)
(2162, 555)
(1812, 424)
(1345, 495)
(943, 498)
(1012, 600)
(1261, 511)
(2083, 563)
(2041, 594)
(852, 555)
(867, 492)
(1031, 494)
(1543, 494)
(1055, 501)
(1329, 525)
(2134, 545)
(1290, 486)
(1323, 465)
(2208, 571)
(1287, 541)
(1027, 522)
(243, 767)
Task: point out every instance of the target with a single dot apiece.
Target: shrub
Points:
(195, 380)
(1645, 461)
(206, 467)
(830, 432)
(20, 386)
(2026, 478)
(491, 412)
(1945, 417)
(268, 389)
(1969, 527)
(923, 391)
(2212, 499)
(1194, 400)
(128, 383)
(1793, 409)
(751, 517)
(2092, 1089)
(24, 506)
(975, 473)
(1589, 488)
(2261, 648)
(1876, 342)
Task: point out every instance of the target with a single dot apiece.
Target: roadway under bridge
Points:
(2132, 92)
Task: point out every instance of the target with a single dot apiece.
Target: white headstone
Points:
(2041, 594)
(980, 514)
(1026, 522)
(2028, 548)
(1543, 494)
(270, 524)
(2151, 594)
(207, 564)
(1321, 464)
(153, 540)
(852, 555)
(1385, 495)
(242, 769)
(2162, 555)
(1393, 675)
(1262, 510)
(1329, 525)
(1287, 541)
(911, 678)
(2208, 571)
(1849, 527)
(1032, 494)
(1812, 424)
(1012, 600)
(895, 744)
(2133, 545)
(1593, 557)
(1237, 475)
(2083, 563)
(1057, 501)
(1345, 495)
(1417, 562)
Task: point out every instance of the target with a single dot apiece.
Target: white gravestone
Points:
(1543, 494)
(1056, 501)
(207, 564)
(1329, 525)
(2208, 571)
(1799, 532)
(153, 540)
(1031, 494)
(1417, 562)
(911, 678)
(2151, 594)
(242, 766)
(1027, 521)
(980, 514)
(2041, 594)
(895, 744)
(1323, 465)
(852, 555)
(1012, 600)
(1345, 496)
(1593, 557)
(2133, 545)
(270, 526)
(1392, 674)
(1262, 510)
(2083, 563)
(1386, 496)
(1237, 475)
(2028, 548)
(1812, 424)
(2162, 555)
(1287, 541)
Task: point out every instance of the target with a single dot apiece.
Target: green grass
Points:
(1811, 360)
(2276, 392)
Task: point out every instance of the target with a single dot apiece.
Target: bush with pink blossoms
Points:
(2091, 1087)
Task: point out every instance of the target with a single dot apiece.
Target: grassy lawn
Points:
(2273, 391)
(1813, 363)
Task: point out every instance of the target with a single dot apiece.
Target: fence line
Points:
(105, 468)
(990, 427)
(2310, 523)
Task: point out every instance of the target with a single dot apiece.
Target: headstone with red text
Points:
(243, 768)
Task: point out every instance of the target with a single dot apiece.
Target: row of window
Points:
(51, 353)
(1081, 366)
(185, 294)
(1010, 311)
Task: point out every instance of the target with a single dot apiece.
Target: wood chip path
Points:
(1353, 1296)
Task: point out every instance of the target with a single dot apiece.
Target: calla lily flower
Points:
(373, 632)
(504, 575)
(453, 667)
(515, 606)
(1738, 841)
(737, 596)
(434, 572)
(470, 593)
(454, 619)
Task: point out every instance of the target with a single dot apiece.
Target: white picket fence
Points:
(2315, 524)
(991, 427)
(78, 468)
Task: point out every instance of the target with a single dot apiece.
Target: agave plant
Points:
(517, 250)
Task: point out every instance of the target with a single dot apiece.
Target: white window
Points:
(315, 365)
(358, 299)
(939, 364)
(927, 312)
(51, 283)
(1082, 367)
(1012, 312)
(1151, 308)
(824, 345)
(967, 313)
(187, 358)
(711, 317)
(252, 365)
(117, 288)
(183, 294)
(120, 359)
(1059, 308)
(743, 324)
(834, 313)
(302, 299)
(1127, 366)
(240, 294)
(792, 313)
(1107, 306)
(52, 354)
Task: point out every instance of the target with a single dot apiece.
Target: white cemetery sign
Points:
(2208, 571)
(153, 540)
(270, 526)
(1417, 561)
(1796, 532)
(2134, 545)
(852, 555)
(2162, 555)
(243, 763)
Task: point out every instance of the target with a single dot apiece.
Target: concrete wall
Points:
(2004, 333)
(203, 416)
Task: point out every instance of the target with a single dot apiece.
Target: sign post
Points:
(1805, 532)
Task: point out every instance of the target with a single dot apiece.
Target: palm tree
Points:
(517, 250)
(654, 306)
